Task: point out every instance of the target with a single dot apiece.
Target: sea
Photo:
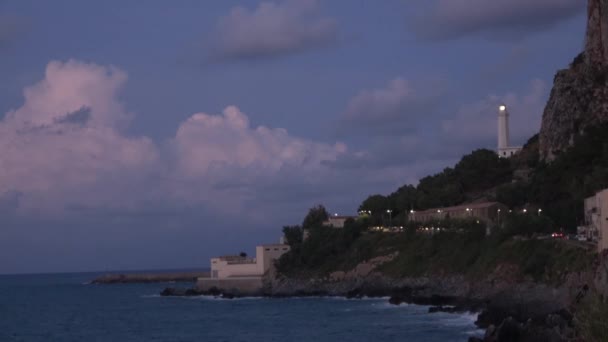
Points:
(66, 307)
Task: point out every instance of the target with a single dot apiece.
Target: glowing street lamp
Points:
(525, 211)
(502, 108)
(539, 211)
(390, 217)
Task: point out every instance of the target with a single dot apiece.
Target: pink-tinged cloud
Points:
(205, 142)
(65, 149)
(69, 87)
(449, 19)
(53, 159)
(222, 161)
(272, 29)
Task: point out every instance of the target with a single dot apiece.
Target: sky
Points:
(156, 134)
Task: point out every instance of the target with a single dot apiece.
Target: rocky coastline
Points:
(509, 307)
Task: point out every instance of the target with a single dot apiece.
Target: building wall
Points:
(602, 217)
(224, 269)
(487, 214)
(267, 254)
(503, 129)
(265, 257)
(337, 221)
(508, 151)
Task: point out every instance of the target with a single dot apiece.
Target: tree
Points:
(294, 235)
(315, 217)
(481, 170)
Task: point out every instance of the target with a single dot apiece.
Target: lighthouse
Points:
(504, 149)
(503, 127)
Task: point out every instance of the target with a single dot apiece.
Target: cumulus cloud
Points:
(66, 139)
(271, 30)
(450, 19)
(480, 118)
(391, 109)
(234, 162)
(65, 150)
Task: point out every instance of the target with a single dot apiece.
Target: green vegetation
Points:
(323, 245)
(475, 173)
(559, 187)
(590, 319)
(468, 253)
(461, 247)
(315, 217)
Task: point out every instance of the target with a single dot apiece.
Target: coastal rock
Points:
(579, 98)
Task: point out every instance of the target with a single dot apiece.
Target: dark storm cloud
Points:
(451, 19)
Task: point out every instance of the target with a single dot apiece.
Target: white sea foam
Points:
(459, 319)
(218, 298)
(150, 296)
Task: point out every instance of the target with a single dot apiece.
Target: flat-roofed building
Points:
(337, 221)
(488, 212)
(236, 272)
(596, 218)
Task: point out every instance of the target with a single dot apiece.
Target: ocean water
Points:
(63, 307)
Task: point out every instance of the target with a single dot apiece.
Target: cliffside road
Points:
(133, 278)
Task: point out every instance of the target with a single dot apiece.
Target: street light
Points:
(539, 211)
(525, 211)
(390, 217)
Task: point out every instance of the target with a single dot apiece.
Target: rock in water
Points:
(579, 98)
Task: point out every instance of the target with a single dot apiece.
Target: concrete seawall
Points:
(132, 278)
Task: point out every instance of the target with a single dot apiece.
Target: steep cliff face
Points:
(579, 97)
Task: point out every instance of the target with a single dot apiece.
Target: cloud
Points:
(451, 19)
(392, 109)
(65, 151)
(234, 162)
(272, 30)
(64, 144)
(476, 123)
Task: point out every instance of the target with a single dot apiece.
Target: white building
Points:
(504, 149)
(596, 218)
(235, 272)
(337, 221)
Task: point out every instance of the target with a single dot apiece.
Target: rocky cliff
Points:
(579, 97)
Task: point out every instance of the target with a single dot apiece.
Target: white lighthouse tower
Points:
(504, 149)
